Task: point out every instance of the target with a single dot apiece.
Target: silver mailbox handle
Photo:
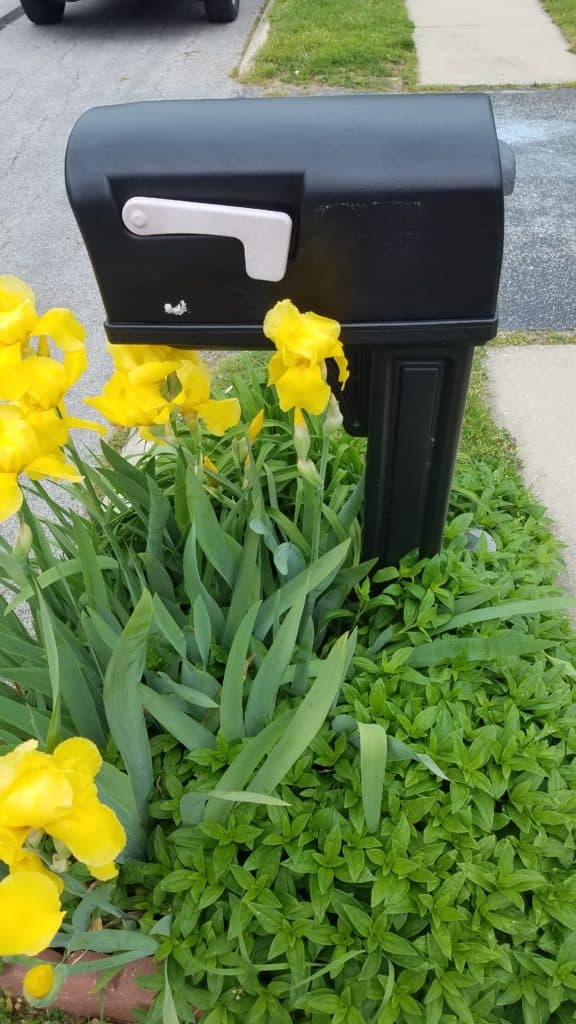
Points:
(265, 234)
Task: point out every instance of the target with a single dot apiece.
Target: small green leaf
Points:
(508, 610)
(169, 1014)
(53, 735)
(168, 627)
(246, 587)
(221, 550)
(158, 515)
(202, 629)
(247, 797)
(373, 756)
(289, 560)
(115, 790)
(317, 577)
(476, 648)
(308, 719)
(167, 712)
(195, 587)
(94, 582)
(113, 940)
(231, 701)
(400, 751)
(263, 692)
(123, 703)
(164, 684)
(321, 1001)
(244, 764)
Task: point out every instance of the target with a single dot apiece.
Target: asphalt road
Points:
(539, 274)
(105, 51)
(109, 51)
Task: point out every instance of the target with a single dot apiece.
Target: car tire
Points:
(44, 12)
(222, 10)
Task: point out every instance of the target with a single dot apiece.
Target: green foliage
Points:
(457, 904)
(364, 788)
(142, 602)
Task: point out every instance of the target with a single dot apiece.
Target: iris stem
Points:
(319, 497)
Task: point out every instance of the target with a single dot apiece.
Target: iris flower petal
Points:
(30, 914)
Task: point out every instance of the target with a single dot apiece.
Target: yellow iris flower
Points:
(38, 981)
(26, 860)
(30, 444)
(78, 755)
(62, 326)
(32, 378)
(30, 913)
(134, 395)
(39, 793)
(130, 403)
(304, 341)
(194, 400)
(17, 311)
(32, 431)
(19, 322)
(41, 381)
(11, 842)
(137, 394)
(105, 872)
(90, 830)
(92, 833)
(255, 427)
(144, 363)
(57, 794)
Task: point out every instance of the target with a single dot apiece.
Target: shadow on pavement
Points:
(136, 18)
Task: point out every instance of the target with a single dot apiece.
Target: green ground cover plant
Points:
(363, 45)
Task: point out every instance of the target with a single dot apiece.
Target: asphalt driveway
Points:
(539, 274)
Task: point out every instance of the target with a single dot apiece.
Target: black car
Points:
(49, 12)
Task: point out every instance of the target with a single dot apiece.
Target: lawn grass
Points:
(353, 44)
(563, 12)
(506, 338)
(481, 438)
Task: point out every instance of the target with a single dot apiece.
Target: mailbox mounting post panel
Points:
(383, 212)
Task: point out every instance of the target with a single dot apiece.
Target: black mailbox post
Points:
(384, 212)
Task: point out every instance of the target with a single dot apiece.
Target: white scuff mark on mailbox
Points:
(361, 204)
(178, 310)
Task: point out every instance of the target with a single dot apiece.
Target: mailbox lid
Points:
(396, 205)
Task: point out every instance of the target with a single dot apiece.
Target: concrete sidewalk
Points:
(488, 42)
(533, 396)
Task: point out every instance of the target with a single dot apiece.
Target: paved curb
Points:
(256, 40)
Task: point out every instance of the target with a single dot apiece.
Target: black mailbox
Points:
(384, 212)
